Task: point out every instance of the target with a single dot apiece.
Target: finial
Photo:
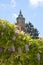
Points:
(20, 11)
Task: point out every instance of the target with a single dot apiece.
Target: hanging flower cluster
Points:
(1, 49)
(27, 47)
(38, 56)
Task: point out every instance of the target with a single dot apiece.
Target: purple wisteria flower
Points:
(11, 49)
(27, 47)
(38, 56)
(17, 32)
(1, 49)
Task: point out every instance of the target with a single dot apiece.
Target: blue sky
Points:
(32, 10)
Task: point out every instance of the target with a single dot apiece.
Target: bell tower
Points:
(21, 21)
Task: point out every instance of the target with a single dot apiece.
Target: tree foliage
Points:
(32, 31)
(18, 48)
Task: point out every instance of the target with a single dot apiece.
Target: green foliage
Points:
(32, 31)
(18, 48)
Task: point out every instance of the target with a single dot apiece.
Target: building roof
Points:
(20, 14)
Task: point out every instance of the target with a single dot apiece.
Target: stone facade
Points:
(20, 21)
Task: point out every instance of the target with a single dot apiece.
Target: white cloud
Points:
(36, 2)
(12, 4)
(14, 15)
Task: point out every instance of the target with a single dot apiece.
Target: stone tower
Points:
(21, 21)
